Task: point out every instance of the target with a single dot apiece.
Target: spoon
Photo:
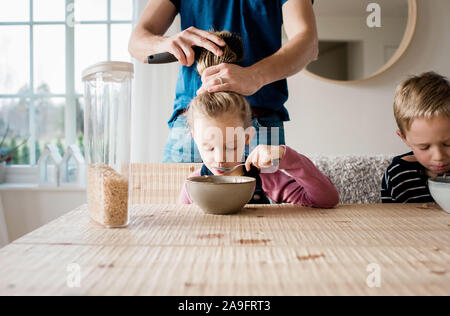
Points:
(226, 170)
(275, 163)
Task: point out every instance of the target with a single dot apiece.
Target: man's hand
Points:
(180, 45)
(299, 51)
(148, 36)
(232, 78)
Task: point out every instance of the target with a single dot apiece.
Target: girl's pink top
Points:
(303, 184)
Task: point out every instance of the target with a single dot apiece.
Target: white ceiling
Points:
(390, 8)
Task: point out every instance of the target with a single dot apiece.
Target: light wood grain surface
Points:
(264, 250)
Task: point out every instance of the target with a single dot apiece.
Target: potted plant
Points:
(5, 154)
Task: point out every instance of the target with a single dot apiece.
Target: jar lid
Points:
(108, 66)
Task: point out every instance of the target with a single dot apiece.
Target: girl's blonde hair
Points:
(216, 104)
(424, 96)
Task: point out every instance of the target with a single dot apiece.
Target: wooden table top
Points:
(264, 250)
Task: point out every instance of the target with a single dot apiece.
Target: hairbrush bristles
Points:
(234, 42)
(233, 52)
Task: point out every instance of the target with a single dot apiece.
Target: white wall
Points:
(335, 119)
(27, 208)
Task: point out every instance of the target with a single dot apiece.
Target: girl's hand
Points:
(263, 156)
(180, 45)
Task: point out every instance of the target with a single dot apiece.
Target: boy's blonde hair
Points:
(424, 96)
(216, 104)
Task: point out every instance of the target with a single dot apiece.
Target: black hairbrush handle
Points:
(161, 58)
(166, 57)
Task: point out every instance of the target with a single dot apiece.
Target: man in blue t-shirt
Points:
(261, 76)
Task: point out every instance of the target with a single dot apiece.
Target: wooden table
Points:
(265, 250)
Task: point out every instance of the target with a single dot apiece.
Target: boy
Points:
(422, 112)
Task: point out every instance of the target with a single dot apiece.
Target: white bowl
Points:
(440, 191)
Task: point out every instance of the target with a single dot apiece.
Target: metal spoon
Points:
(226, 170)
(275, 163)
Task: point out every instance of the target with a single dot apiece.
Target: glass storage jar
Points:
(107, 139)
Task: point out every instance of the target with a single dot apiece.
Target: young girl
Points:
(211, 117)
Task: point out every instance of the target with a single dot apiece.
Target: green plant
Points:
(37, 150)
(10, 154)
(14, 154)
(25, 155)
(60, 146)
(80, 143)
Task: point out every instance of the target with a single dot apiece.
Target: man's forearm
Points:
(147, 38)
(143, 43)
(291, 58)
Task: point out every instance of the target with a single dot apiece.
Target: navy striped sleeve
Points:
(405, 182)
(385, 189)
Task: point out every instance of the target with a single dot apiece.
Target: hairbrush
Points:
(234, 41)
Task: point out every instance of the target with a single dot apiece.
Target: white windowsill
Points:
(22, 175)
(36, 187)
(27, 178)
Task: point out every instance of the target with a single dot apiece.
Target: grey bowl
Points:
(221, 194)
(440, 191)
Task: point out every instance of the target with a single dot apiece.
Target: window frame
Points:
(70, 95)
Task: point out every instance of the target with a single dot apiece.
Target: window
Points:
(42, 56)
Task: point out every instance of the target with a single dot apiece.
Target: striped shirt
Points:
(405, 182)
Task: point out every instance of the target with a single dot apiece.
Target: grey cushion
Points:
(357, 178)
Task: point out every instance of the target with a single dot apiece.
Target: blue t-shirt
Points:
(259, 24)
